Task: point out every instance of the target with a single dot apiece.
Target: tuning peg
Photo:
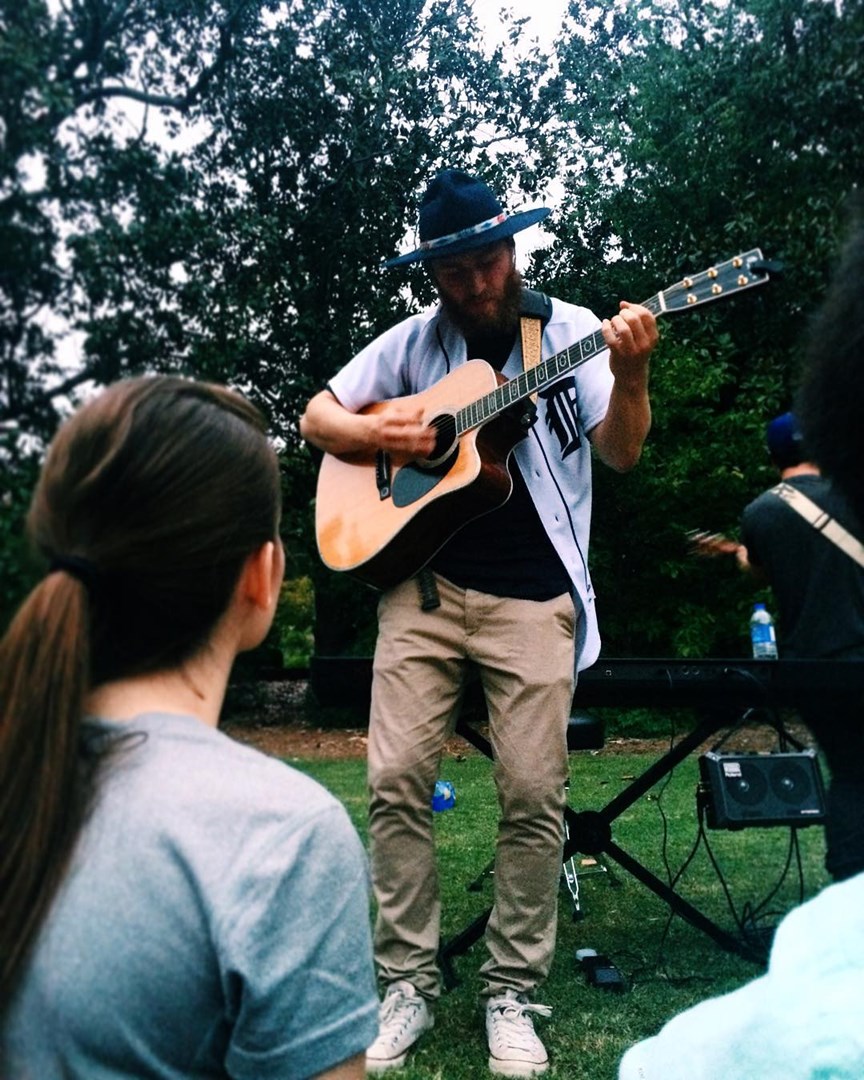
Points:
(768, 266)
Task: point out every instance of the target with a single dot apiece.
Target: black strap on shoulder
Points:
(536, 305)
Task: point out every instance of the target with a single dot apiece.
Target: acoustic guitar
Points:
(381, 517)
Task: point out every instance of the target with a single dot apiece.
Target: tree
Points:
(698, 131)
(249, 251)
(69, 169)
(393, 92)
(70, 166)
(260, 246)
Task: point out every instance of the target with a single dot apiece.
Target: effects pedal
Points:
(600, 971)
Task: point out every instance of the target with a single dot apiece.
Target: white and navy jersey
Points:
(554, 459)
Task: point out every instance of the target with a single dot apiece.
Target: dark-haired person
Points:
(515, 603)
(167, 904)
(819, 589)
(832, 388)
(801, 1020)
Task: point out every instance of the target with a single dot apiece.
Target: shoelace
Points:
(389, 1014)
(511, 1014)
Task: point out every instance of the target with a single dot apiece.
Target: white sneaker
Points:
(403, 1016)
(514, 1049)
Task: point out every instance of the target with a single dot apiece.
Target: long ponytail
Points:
(44, 672)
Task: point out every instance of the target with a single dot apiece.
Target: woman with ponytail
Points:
(167, 903)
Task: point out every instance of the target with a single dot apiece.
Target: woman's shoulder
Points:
(183, 766)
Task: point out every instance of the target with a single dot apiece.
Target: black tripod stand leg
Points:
(591, 832)
(477, 884)
(457, 945)
(473, 736)
(681, 906)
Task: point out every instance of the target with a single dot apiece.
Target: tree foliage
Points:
(210, 188)
(248, 249)
(699, 131)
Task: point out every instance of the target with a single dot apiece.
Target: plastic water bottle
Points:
(762, 634)
(444, 796)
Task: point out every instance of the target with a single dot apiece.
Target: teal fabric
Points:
(799, 1021)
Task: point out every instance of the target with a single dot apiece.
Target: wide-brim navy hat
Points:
(460, 213)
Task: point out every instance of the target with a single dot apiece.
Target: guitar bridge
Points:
(383, 474)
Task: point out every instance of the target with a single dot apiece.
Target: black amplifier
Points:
(741, 790)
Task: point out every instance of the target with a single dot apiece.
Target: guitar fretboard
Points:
(539, 377)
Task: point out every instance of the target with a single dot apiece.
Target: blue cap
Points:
(784, 441)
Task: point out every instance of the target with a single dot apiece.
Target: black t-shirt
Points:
(819, 588)
(505, 552)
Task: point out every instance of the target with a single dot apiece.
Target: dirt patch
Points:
(298, 741)
(280, 719)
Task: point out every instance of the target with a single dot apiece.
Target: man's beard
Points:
(503, 320)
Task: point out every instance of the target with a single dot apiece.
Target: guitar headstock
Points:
(718, 282)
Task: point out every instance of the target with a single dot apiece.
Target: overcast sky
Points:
(545, 15)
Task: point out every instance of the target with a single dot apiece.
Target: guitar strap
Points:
(830, 528)
(531, 334)
(536, 311)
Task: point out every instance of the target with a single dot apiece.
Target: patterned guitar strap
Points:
(532, 332)
(536, 312)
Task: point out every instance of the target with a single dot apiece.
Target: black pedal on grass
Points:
(600, 971)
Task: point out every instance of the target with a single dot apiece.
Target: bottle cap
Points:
(444, 796)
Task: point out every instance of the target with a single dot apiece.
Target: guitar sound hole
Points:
(445, 441)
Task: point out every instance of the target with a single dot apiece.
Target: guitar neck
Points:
(724, 280)
(537, 378)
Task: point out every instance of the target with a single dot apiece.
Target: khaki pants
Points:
(523, 651)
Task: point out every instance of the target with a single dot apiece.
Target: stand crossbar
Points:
(591, 834)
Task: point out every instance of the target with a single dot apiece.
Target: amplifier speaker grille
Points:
(744, 790)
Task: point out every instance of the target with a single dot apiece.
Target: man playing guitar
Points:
(508, 596)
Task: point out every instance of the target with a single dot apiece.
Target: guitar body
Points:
(385, 540)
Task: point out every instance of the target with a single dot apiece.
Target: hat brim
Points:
(514, 223)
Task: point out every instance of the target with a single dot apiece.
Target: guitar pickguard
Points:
(413, 481)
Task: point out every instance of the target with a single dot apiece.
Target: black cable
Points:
(667, 780)
(746, 922)
(672, 878)
(672, 883)
(773, 716)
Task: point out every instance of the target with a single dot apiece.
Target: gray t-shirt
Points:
(214, 923)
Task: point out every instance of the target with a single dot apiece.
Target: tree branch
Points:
(36, 401)
(102, 27)
(132, 93)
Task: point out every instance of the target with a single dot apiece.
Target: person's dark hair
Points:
(151, 498)
(832, 385)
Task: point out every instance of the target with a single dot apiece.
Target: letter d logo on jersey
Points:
(562, 415)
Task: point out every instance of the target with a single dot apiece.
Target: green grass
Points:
(669, 964)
